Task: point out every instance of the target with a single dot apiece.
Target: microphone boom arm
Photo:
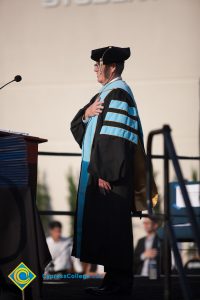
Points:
(17, 79)
(6, 84)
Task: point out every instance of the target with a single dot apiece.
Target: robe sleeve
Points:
(111, 157)
(78, 126)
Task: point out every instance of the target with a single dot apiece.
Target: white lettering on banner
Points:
(54, 3)
(119, 1)
(101, 1)
(50, 3)
(82, 2)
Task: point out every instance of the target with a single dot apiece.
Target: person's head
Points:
(55, 229)
(150, 225)
(109, 62)
(106, 73)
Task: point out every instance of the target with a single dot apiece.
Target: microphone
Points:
(17, 79)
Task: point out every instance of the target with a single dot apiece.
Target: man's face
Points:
(104, 73)
(56, 233)
(149, 226)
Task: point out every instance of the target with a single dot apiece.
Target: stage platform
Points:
(143, 289)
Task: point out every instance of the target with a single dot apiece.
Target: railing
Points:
(170, 238)
(73, 154)
(169, 154)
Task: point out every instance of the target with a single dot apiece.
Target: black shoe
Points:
(92, 289)
(109, 290)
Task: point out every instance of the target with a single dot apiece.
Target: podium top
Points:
(26, 137)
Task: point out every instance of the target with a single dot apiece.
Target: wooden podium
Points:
(21, 234)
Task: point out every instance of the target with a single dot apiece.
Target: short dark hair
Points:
(55, 224)
(119, 68)
(154, 219)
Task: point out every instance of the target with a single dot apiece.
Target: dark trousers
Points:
(118, 277)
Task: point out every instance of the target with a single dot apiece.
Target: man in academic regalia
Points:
(112, 179)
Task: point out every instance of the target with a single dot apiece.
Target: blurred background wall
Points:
(48, 42)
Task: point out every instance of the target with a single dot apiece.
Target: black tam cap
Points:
(111, 54)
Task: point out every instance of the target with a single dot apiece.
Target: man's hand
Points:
(104, 184)
(151, 253)
(94, 109)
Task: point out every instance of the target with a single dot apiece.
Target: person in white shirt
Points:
(60, 249)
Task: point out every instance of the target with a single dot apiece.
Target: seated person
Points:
(147, 248)
(60, 249)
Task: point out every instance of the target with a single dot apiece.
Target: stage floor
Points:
(143, 289)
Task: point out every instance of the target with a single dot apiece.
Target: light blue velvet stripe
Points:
(81, 202)
(119, 118)
(84, 175)
(120, 132)
(124, 106)
(86, 150)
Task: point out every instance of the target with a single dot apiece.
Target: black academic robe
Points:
(107, 237)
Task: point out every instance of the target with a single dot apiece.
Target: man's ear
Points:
(113, 68)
